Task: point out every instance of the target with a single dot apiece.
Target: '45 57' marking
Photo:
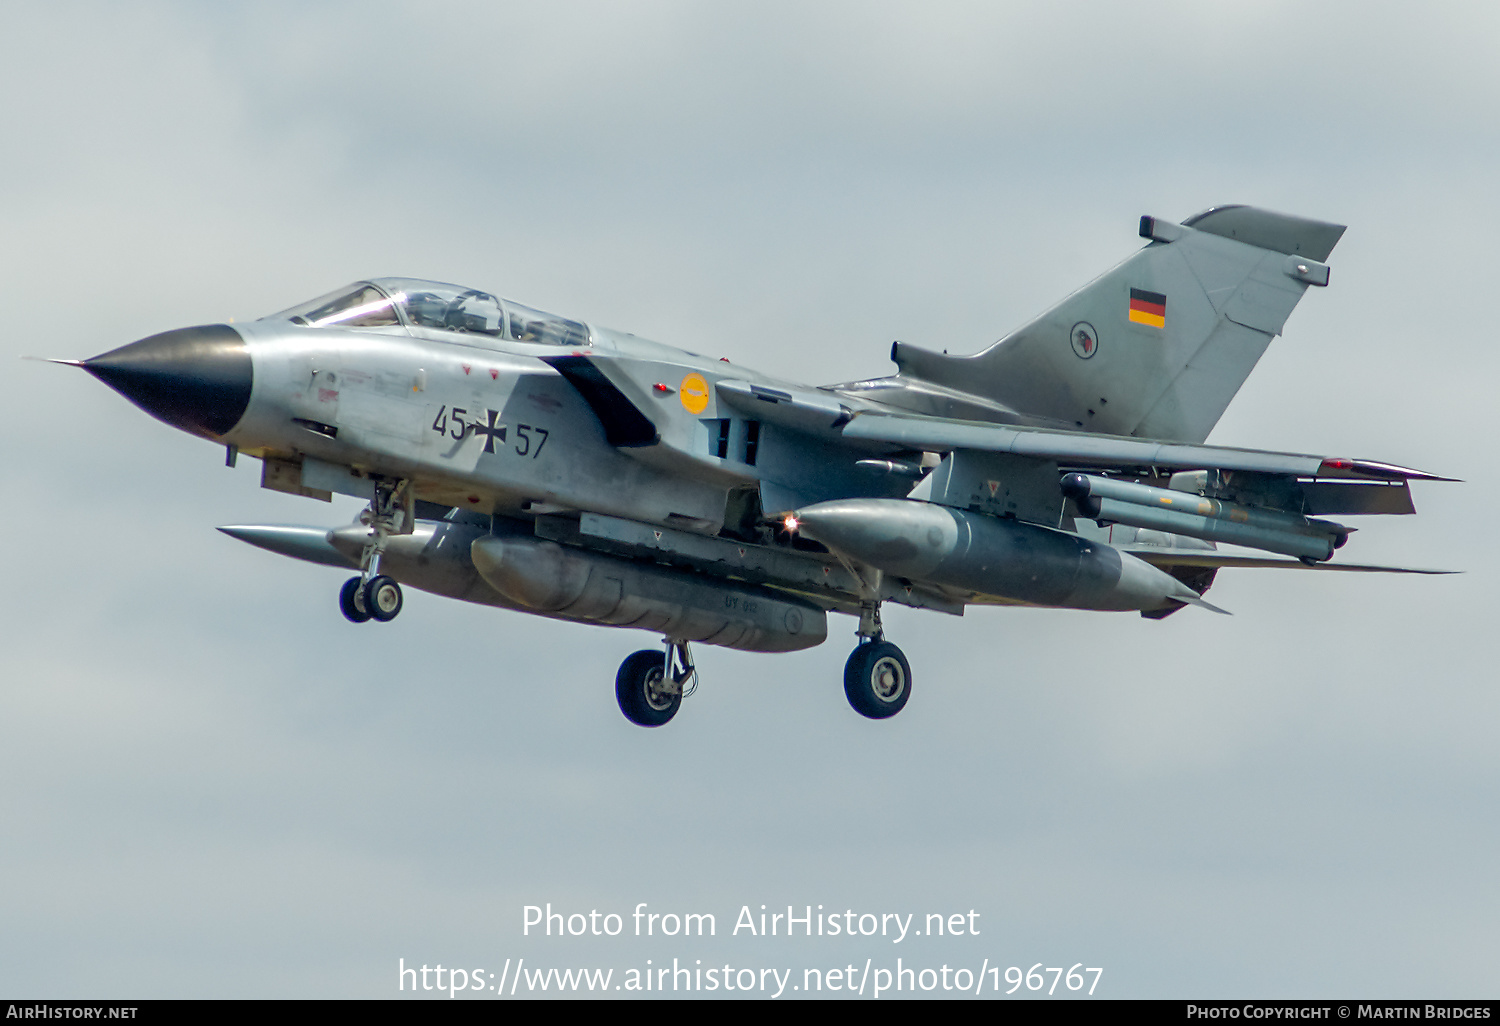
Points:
(455, 424)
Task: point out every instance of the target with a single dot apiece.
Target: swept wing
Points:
(1085, 450)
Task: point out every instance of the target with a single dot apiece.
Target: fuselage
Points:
(517, 458)
(479, 416)
(452, 396)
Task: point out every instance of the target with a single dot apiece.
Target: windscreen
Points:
(429, 304)
(357, 306)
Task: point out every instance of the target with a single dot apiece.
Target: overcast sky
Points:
(213, 785)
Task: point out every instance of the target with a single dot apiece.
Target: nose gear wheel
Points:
(382, 598)
(352, 601)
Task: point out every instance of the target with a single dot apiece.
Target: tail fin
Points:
(1156, 347)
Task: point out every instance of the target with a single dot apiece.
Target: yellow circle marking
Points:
(694, 394)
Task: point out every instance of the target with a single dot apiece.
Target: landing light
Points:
(790, 522)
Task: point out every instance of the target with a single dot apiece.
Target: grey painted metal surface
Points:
(1198, 516)
(526, 460)
(1280, 233)
(306, 543)
(546, 577)
(1290, 543)
(1156, 347)
(988, 557)
(1078, 448)
(820, 577)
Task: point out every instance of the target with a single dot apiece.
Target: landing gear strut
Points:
(373, 595)
(651, 684)
(877, 677)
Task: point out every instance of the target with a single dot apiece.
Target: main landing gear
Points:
(373, 595)
(877, 677)
(651, 684)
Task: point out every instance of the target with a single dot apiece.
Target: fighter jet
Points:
(520, 459)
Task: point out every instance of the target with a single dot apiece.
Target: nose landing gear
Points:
(373, 595)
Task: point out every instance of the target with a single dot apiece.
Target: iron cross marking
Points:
(492, 433)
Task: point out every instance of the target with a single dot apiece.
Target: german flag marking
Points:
(1148, 308)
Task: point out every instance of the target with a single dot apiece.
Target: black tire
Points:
(877, 680)
(638, 689)
(382, 597)
(352, 602)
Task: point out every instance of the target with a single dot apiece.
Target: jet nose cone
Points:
(196, 379)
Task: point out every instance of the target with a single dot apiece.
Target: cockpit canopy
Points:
(410, 302)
